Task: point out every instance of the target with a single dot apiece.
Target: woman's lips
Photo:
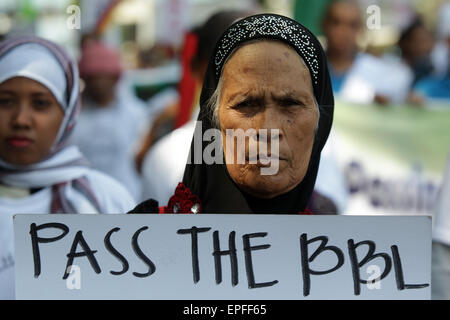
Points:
(19, 142)
(264, 159)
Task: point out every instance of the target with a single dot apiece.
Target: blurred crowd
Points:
(417, 74)
(144, 143)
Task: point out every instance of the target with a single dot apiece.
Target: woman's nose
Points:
(271, 121)
(22, 116)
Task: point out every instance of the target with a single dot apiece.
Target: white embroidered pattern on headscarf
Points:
(64, 168)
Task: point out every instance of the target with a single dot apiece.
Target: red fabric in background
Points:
(186, 87)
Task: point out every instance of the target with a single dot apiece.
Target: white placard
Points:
(222, 257)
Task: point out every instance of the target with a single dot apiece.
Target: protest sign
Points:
(222, 257)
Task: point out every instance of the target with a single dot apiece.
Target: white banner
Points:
(222, 257)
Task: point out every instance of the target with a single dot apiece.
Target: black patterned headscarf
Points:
(212, 183)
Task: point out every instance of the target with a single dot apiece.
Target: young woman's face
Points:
(30, 118)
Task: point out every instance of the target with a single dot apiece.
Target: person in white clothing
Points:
(163, 166)
(111, 114)
(40, 171)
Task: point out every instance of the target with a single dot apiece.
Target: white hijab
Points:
(64, 167)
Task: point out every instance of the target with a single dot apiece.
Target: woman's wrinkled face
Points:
(265, 85)
(30, 118)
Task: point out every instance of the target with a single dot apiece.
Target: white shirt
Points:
(111, 195)
(370, 76)
(107, 136)
(163, 166)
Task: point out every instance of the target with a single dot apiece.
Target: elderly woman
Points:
(269, 74)
(40, 172)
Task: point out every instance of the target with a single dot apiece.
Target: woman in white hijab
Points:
(40, 172)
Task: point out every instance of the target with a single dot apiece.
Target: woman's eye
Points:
(246, 104)
(291, 102)
(41, 104)
(5, 102)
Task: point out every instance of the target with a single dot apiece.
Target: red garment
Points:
(97, 58)
(187, 86)
(184, 201)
